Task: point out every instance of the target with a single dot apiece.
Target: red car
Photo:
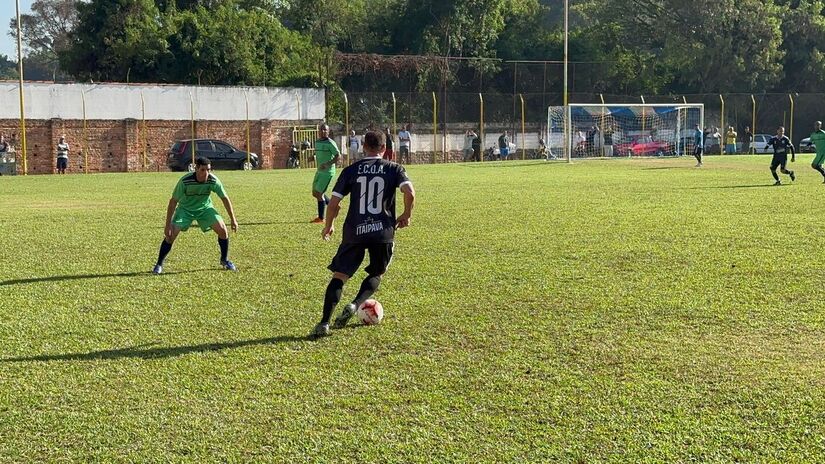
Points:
(643, 145)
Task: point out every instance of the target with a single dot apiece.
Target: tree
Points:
(8, 68)
(45, 34)
(803, 39)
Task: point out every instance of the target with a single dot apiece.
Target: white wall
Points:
(163, 102)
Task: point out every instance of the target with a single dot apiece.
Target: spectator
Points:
(389, 155)
(730, 141)
(354, 144)
(405, 146)
(608, 141)
(62, 155)
(4, 145)
(747, 139)
(504, 146)
(476, 146)
(469, 139)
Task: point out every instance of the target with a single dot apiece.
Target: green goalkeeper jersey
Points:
(818, 139)
(194, 196)
(325, 151)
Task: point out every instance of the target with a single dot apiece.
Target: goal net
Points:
(594, 130)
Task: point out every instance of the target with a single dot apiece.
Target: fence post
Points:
(601, 121)
(435, 126)
(643, 113)
(143, 128)
(346, 125)
(722, 123)
(394, 122)
(523, 156)
(481, 126)
(85, 135)
(248, 162)
(791, 125)
(192, 123)
(753, 115)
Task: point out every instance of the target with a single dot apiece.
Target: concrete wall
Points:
(161, 102)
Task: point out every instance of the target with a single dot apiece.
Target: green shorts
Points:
(321, 182)
(819, 158)
(206, 218)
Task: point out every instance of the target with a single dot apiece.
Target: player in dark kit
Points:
(781, 145)
(368, 228)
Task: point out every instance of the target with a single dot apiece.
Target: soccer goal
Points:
(611, 130)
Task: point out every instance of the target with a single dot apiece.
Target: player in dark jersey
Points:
(368, 228)
(781, 145)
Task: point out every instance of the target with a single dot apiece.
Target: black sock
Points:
(775, 175)
(698, 157)
(321, 208)
(368, 287)
(165, 248)
(818, 167)
(331, 298)
(224, 244)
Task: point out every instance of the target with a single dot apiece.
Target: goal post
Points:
(594, 130)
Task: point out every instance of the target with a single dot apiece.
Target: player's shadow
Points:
(737, 186)
(146, 351)
(62, 278)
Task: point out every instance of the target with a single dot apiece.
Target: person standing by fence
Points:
(62, 155)
(389, 154)
(404, 145)
(730, 141)
(747, 139)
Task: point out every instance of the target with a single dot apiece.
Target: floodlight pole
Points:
(753, 100)
(85, 134)
(22, 111)
(722, 123)
(143, 127)
(192, 124)
(568, 131)
(521, 97)
(346, 124)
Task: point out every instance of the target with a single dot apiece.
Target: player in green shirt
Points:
(818, 139)
(326, 155)
(191, 202)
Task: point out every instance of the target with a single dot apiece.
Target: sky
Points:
(8, 45)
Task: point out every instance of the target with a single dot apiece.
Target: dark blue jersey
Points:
(372, 183)
(781, 145)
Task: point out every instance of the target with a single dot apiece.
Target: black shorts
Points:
(779, 159)
(62, 163)
(350, 255)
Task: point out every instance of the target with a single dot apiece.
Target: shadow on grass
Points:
(659, 168)
(145, 352)
(61, 278)
(737, 186)
(514, 164)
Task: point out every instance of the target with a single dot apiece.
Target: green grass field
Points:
(535, 312)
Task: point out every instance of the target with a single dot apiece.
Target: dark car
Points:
(221, 154)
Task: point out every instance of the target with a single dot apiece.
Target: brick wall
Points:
(118, 146)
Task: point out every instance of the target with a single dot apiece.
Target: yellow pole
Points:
(790, 129)
(435, 125)
(394, 123)
(248, 162)
(143, 128)
(346, 123)
(192, 124)
(85, 134)
(22, 111)
(601, 122)
(753, 115)
(481, 126)
(521, 97)
(643, 115)
(722, 118)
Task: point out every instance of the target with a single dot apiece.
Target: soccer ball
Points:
(370, 312)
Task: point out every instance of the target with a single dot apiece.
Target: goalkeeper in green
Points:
(818, 139)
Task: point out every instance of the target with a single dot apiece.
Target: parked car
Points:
(644, 146)
(221, 154)
(760, 143)
(805, 146)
